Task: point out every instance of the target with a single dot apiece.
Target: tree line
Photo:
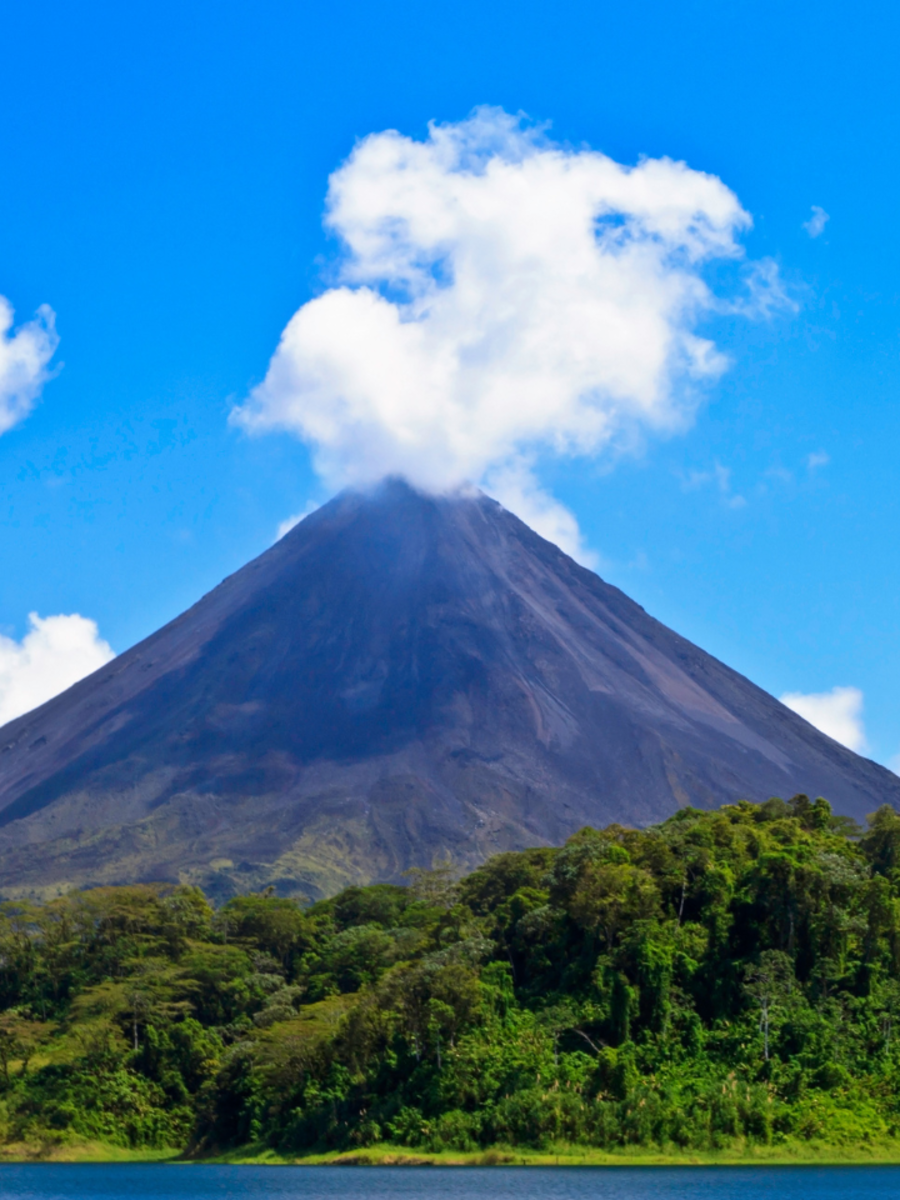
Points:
(731, 974)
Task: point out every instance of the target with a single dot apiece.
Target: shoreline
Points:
(806, 1154)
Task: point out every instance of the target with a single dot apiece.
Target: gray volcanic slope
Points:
(401, 678)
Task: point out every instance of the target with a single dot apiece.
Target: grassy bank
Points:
(740, 1154)
(64, 1151)
(795, 1153)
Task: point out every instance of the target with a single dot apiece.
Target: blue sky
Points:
(164, 176)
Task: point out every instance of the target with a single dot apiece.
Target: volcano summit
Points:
(401, 678)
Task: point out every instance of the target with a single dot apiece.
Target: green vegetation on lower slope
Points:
(725, 984)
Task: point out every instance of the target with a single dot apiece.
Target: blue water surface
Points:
(127, 1182)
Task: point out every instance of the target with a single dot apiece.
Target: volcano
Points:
(403, 678)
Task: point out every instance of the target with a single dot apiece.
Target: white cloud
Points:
(837, 713)
(24, 356)
(818, 458)
(54, 654)
(817, 222)
(500, 295)
(288, 523)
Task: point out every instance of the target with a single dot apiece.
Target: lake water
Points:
(126, 1182)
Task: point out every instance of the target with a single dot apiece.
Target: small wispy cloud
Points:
(838, 713)
(818, 458)
(720, 478)
(815, 226)
(289, 522)
(779, 473)
(765, 294)
(515, 487)
(24, 358)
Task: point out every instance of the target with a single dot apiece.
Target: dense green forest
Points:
(726, 975)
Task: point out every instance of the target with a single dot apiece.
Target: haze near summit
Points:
(498, 297)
